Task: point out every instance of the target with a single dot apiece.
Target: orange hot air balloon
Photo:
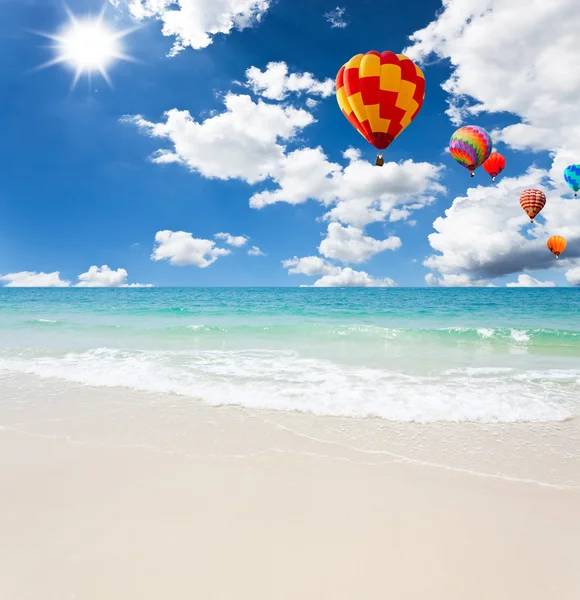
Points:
(380, 94)
(556, 245)
(532, 201)
(494, 165)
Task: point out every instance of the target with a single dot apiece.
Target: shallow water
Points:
(422, 355)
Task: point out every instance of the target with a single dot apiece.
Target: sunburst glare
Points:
(88, 45)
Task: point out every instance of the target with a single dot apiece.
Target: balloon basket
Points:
(380, 160)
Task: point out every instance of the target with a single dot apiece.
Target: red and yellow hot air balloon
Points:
(556, 245)
(494, 165)
(532, 201)
(380, 94)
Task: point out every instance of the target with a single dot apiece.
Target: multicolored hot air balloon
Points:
(572, 177)
(494, 165)
(470, 146)
(532, 201)
(556, 245)
(380, 94)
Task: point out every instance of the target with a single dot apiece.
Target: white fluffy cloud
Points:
(275, 83)
(181, 248)
(525, 70)
(350, 245)
(194, 23)
(336, 17)
(525, 280)
(358, 193)
(332, 276)
(486, 234)
(94, 277)
(248, 141)
(232, 240)
(255, 251)
(106, 277)
(33, 279)
(308, 265)
(454, 280)
(573, 276)
(242, 142)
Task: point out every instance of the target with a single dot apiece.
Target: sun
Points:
(88, 45)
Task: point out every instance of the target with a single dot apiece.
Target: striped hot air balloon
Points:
(556, 245)
(572, 177)
(532, 201)
(494, 165)
(470, 146)
(380, 94)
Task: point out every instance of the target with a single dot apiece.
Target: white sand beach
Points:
(142, 497)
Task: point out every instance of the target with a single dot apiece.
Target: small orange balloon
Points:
(556, 245)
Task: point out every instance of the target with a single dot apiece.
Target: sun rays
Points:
(87, 45)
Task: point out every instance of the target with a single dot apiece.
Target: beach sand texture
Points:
(122, 502)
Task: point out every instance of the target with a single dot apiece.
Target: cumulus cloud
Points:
(106, 277)
(195, 23)
(525, 71)
(454, 280)
(357, 194)
(332, 276)
(248, 141)
(181, 248)
(336, 17)
(232, 240)
(573, 276)
(525, 280)
(94, 277)
(33, 279)
(255, 251)
(486, 234)
(347, 277)
(275, 83)
(350, 245)
(309, 265)
(242, 142)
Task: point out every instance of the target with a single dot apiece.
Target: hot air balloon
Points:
(532, 201)
(494, 165)
(572, 177)
(470, 146)
(556, 245)
(380, 94)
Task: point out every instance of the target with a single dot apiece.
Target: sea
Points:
(422, 355)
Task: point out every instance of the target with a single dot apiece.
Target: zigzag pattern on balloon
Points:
(470, 146)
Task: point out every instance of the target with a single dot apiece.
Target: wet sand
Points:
(108, 495)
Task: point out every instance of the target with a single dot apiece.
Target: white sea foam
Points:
(288, 381)
(486, 333)
(520, 336)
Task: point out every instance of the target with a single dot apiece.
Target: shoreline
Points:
(111, 495)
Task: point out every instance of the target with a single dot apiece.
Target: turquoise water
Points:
(423, 354)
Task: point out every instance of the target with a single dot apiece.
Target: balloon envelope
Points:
(572, 177)
(494, 165)
(380, 94)
(470, 146)
(556, 245)
(532, 201)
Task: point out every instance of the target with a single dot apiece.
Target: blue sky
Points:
(78, 187)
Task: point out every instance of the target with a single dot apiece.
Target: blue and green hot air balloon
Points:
(572, 177)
